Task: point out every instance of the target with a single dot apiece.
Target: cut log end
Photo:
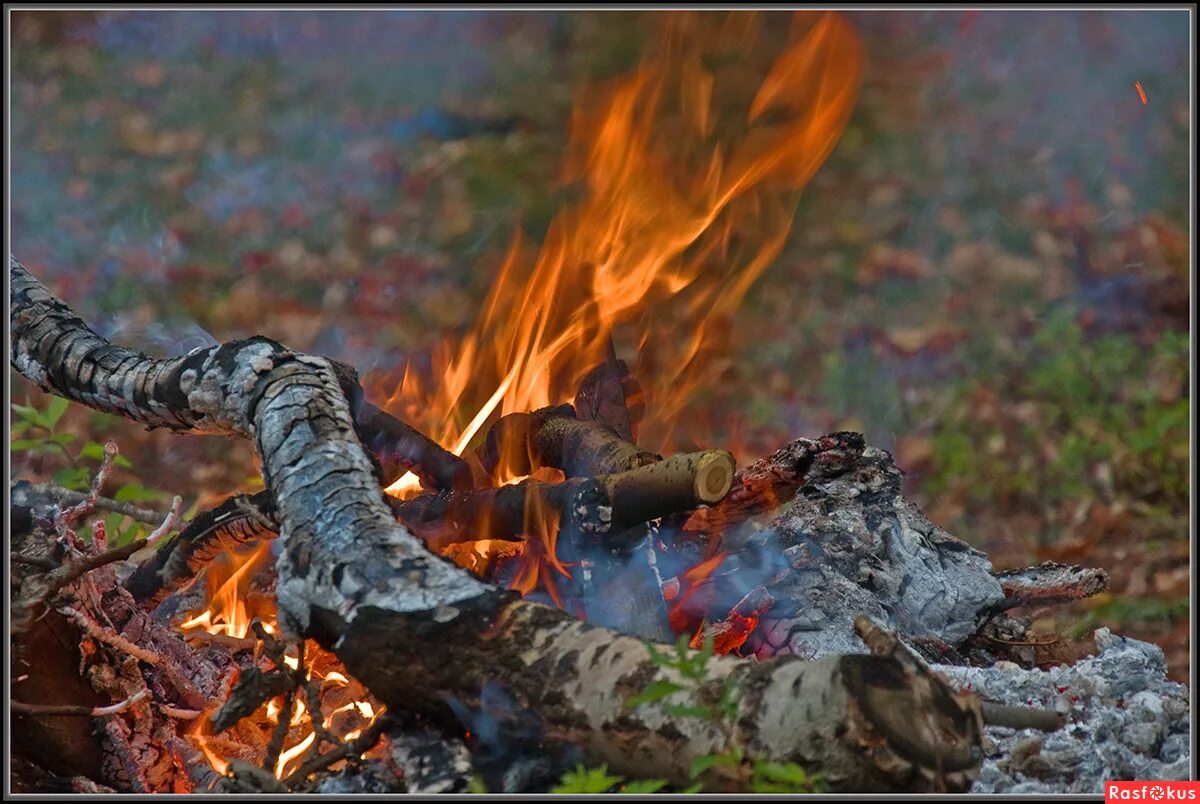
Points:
(714, 476)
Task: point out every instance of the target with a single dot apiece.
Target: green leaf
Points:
(657, 656)
(28, 413)
(644, 786)
(706, 651)
(655, 692)
(18, 426)
(63, 438)
(75, 479)
(587, 780)
(784, 777)
(30, 445)
(55, 410)
(696, 788)
(93, 450)
(702, 763)
(121, 460)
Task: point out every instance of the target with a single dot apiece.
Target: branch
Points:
(772, 481)
(69, 497)
(46, 710)
(523, 442)
(413, 628)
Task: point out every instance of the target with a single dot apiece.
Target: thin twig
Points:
(72, 571)
(96, 632)
(353, 748)
(282, 727)
(168, 522)
(68, 709)
(1021, 643)
(70, 497)
(84, 506)
(33, 561)
(275, 747)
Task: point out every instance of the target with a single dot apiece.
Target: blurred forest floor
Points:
(989, 277)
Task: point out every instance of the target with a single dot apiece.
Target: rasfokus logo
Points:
(1152, 791)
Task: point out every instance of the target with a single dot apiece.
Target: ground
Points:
(989, 276)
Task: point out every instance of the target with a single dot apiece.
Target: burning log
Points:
(523, 442)
(399, 449)
(414, 628)
(230, 526)
(503, 513)
(604, 395)
(772, 481)
(1050, 584)
(397, 446)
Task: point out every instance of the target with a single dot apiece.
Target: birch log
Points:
(415, 629)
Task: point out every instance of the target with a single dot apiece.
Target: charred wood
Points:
(604, 396)
(230, 526)
(772, 481)
(413, 627)
(524, 442)
(504, 513)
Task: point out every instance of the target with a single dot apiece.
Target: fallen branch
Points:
(414, 628)
(233, 524)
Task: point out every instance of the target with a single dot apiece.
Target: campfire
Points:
(529, 453)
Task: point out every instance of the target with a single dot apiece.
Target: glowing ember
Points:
(286, 756)
(229, 614)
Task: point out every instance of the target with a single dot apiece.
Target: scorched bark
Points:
(415, 629)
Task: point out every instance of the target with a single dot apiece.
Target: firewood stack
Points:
(416, 674)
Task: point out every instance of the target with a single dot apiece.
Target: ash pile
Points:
(850, 544)
(1124, 720)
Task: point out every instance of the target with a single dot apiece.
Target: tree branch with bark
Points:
(417, 631)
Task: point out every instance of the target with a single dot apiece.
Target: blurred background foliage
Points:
(989, 277)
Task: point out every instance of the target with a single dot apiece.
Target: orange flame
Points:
(689, 178)
(677, 206)
(228, 582)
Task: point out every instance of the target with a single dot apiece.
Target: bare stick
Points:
(85, 506)
(85, 711)
(34, 561)
(95, 631)
(70, 497)
(71, 572)
(1021, 717)
(523, 442)
(180, 714)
